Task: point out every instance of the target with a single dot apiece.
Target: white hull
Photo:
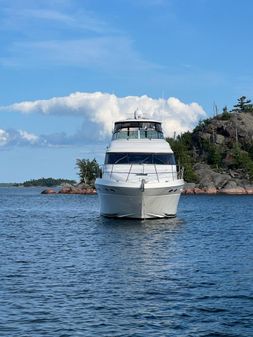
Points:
(137, 200)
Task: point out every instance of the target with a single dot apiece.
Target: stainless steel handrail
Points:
(111, 171)
(139, 173)
(156, 173)
(178, 174)
(129, 172)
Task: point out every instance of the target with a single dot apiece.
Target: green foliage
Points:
(243, 160)
(48, 182)
(250, 151)
(186, 139)
(201, 124)
(226, 115)
(202, 145)
(181, 146)
(214, 154)
(88, 170)
(243, 105)
(249, 108)
(248, 147)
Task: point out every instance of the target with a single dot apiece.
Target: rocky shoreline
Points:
(238, 190)
(79, 189)
(189, 189)
(213, 182)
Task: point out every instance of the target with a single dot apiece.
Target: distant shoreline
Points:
(41, 182)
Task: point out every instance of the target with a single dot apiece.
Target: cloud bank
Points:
(19, 138)
(98, 112)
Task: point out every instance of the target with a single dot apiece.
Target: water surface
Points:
(66, 271)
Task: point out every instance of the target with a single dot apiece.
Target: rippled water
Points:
(66, 271)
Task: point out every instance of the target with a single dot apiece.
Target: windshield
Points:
(139, 125)
(136, 129)
(140, 158)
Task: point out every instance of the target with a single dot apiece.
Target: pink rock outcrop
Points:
(76, 190)
(249, 190)
(197, 190)
(48, 191)
(188, 191)
(233, 191)
(71, 190)
(211, 190)
(236, 190)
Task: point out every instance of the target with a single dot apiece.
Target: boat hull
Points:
(139, 201)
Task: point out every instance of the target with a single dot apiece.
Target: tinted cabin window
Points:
(164, 159)
(126, 125)
(116, 158)
(140, 125)
(140, 158)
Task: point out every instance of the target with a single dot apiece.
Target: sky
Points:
(70, 68)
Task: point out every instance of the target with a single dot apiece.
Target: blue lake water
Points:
(66, 271)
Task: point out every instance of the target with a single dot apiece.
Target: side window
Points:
(164, 159)
(116, 158)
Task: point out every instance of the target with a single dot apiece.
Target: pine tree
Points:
(225, 114)
(243, 105)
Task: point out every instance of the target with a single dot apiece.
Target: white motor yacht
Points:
(139, 178)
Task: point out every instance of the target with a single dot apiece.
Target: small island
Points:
(41, 182)
(217, 155)
(88, 170)
(47, 182)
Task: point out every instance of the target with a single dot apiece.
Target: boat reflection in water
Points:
(140, 178)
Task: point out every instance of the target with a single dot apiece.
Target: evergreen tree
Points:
(181, 146)
(225, 110)
(243, 160)
(214, 155)
(243, 105)
(225, 114)
(49, 182)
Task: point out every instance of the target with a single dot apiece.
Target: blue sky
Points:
(75, 64)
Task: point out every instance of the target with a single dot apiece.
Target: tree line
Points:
(48, 182)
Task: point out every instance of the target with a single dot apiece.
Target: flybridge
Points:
(137, 129)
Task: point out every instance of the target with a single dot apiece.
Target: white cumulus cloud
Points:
(19, 137)
(100, 110)
(29, 137)
(4, 137)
